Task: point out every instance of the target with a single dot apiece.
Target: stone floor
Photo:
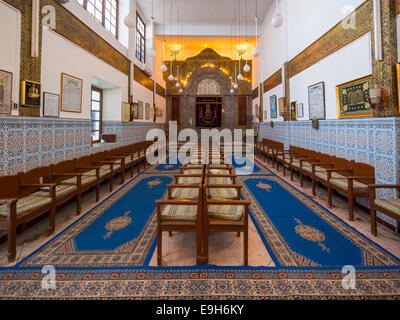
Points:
(179, 250)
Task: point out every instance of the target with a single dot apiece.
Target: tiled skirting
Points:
(27, 143)
(371, 141)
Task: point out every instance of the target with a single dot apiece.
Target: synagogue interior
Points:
(200, 150)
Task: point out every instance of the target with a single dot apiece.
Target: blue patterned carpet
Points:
(105, 254)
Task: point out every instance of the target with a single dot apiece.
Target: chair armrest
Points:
(229, 202)
(8, 201)
(76, 174)
(34, 185)
(89, 167)
(384, 186)
(177, 186)
(176, 202)
(220, 186)
(338, 170)
(359, 177)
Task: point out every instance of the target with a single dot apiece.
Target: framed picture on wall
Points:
(282, 105)
(51, 105)
(293, 111)
(30, 93)
(126, 114)
(6, 79)
(147, 111)
(316, 101)
(134, 111)
(300, 111)
(353, 98)
(71, 93)
(273, 107)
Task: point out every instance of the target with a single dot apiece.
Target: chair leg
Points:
(97, 191)
(52, 219)
(111, 183)
(78, 203)
(12, 238)
(159, 247)
(313, 187)
(374, 229)
(301, 179)
(132, 170)
(122, 175)
(238, 235)
(170, 233)
(291, 173)
(246, 247)
(351, 207)
(329, 197)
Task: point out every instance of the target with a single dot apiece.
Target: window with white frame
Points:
(105, 12)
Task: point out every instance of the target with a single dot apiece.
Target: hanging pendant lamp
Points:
(277, 20)
(256, 50)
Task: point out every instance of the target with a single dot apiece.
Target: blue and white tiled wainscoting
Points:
(372, 141)
(27, 143)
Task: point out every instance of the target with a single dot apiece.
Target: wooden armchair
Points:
(67, 170)
(302, 158)
(224, 216)
(93, 163)
(180, 216)
(306, 165)
(18, 205)
(389, 207)
(319, 170)
(119, 163)
(351, 180)
(66, 189)
(285, 157)
(131, 158)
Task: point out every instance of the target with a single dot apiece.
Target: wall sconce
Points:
(375, 96)
(379, 98)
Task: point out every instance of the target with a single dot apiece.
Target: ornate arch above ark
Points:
(208, 87)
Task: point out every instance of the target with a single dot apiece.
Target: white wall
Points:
(60, 55)
(338, 68)
(304, 22)
(308, 20)
(112, 101)
(10, 33)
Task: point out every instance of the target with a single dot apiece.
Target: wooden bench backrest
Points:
(326, 158)
(34, 176)
(364, 170)
(341, 163)
(84, 161)
(9, 187)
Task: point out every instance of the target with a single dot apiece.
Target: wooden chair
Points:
(319, 170)
(18, 205)
(224, 216)
(94, 162)
(180, 216)
(285, 158)
(67, 170)
(65, 189)
(303, 157)
(389, 207)
(351, 182)
(306, 165)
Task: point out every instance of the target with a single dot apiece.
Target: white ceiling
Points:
(203, 13)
